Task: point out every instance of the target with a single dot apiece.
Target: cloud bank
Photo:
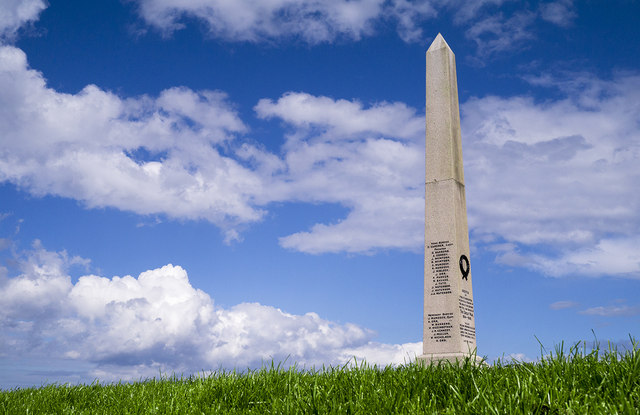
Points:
(15, 14)
(180, 155)
(557, 174)
(316, 21)
(147, 155)
(312, 21)
(550, 185)
(131, 327)
(367, 159)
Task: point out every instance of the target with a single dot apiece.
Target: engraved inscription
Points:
(440, 265)
(440, 325)
(468, 333)
(466, 308)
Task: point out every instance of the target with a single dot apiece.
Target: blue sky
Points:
(194, 185)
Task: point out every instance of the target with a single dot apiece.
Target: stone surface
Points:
(449, 325)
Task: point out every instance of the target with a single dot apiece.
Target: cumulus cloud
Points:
(163, 155)
(618, 257)
(324, 21)
(557, 174)
(15, 14)
(128, 327)
(342, 119)
(312, 21)
(147, 155)
(316, 21)
(541, 176)
(367, 159)
(247, 20)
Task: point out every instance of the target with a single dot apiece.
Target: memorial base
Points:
(453, 358)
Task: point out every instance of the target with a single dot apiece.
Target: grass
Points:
(573, 382)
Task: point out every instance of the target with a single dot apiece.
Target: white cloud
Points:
(367, 159)
(613, 311)
(383, 354)
(555, 174)
(140, 154)
(498, 33)
(561, 305)
(559, 174)
(619, 257)
(129, 327)
(160, 156)
(248, 20)
(317, 21)
(468, 10)
(560, 12)
(313, 21)
(496, 29)
(375, 223)
(15, 14)
(517, 358)
(616, 257)
(410, 16)
(342, 119)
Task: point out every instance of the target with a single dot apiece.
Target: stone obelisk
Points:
(449, 327)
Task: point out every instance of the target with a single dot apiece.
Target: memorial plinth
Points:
(449, 325)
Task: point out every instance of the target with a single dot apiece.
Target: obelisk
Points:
(449, 327)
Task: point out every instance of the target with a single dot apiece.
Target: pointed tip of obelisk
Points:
(438, 43)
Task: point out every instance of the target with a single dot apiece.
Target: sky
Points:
(198, 185)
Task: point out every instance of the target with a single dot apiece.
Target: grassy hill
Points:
(575, 382)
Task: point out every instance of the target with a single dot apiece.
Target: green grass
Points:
(573, 382)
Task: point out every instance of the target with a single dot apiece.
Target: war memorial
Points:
(449, 328)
